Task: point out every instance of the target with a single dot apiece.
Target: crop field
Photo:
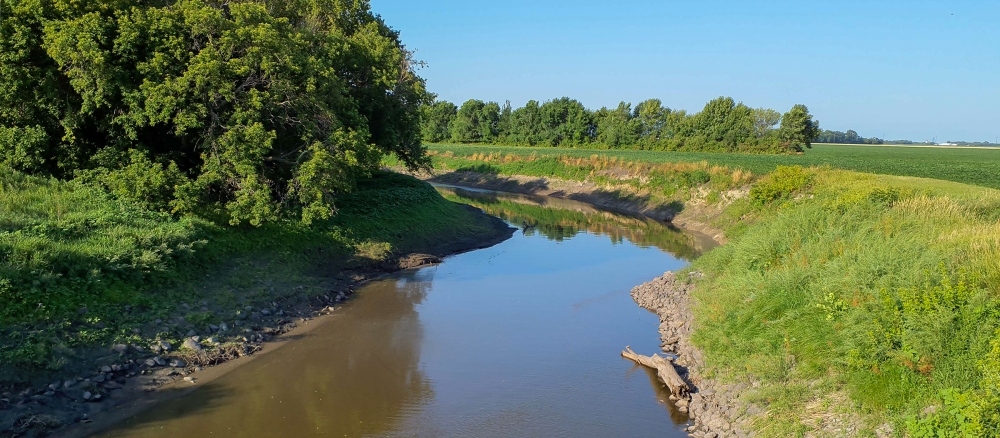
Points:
(965, 165)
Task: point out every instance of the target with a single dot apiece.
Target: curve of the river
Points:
(518, 340)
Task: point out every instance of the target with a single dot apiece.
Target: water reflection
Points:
(522, 339)
(354, 376)
(559, 219)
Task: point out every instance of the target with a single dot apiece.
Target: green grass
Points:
(868, 297)
(65, 246)
(969, 166)
(882, 288)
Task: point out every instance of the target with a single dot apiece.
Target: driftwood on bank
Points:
(664, 369)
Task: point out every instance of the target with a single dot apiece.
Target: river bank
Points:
(855, 302)
(230, 308)
(693, 216)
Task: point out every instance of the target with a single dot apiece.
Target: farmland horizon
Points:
(916, 73)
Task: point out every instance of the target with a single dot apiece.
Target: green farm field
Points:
(965, 165)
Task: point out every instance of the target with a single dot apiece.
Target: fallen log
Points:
(664, 369)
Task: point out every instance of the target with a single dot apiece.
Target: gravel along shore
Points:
(715, 409)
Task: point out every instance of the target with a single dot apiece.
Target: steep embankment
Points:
(856, 304)
(104, 300)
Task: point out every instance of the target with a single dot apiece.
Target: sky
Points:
(916, 70)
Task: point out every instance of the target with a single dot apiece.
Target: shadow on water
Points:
(371, 352)
(559, 219)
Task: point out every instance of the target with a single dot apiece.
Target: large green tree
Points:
(435, 120)
(258, 107)
(798, 129)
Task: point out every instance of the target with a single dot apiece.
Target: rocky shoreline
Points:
(134, 377)
(715, 409)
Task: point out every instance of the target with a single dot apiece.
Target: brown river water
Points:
(518, 340)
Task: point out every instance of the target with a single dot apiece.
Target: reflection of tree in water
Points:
(557, 223)
(357, 375)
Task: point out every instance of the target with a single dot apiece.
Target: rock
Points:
(116, 368)
(191, 344)
(82, 311)
(150, 363)
(158, 322)
(178, 363)
(223, 327)
(120, 348)
(159, 361)
(101, 325)
(192, 332)
(87, 395)
(213, 340)
(69, 384)
(213, 327)
(105, 369)
(99, 379)
(189, 379)
(265, 312)
(165, 346)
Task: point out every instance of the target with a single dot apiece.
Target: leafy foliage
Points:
(260, 107)
(722, 126)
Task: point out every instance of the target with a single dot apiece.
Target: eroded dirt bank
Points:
(132, 378)
(714, 408)
(693, 216)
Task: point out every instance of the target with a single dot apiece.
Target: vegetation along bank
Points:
(182, 180)
(857, 303)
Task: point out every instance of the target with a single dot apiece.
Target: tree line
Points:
(247, 110)
(723, 125)
(849, 137)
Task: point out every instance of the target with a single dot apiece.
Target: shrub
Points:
(783, 183)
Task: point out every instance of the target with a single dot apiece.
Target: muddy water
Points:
(518, 340)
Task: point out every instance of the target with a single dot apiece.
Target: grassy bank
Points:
(969, 166)
(850, 297)
(80, 271)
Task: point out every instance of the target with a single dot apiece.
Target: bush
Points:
(783, 183)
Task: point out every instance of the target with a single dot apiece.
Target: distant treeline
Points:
(849, 137)
(722, 126)
(852, 137)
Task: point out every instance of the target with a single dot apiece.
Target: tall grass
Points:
(873, 286)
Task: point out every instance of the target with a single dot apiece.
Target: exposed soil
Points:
(124, 380)
(691, 216)
(714, 408)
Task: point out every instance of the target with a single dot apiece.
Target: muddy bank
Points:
(125, 379)
(691, 216)
(714, 408)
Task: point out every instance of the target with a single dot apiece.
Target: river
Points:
(518, 340)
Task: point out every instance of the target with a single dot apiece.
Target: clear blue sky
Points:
(902, 69)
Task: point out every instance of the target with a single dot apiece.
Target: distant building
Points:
(947, 144)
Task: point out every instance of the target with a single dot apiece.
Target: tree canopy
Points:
(250, 108)
(723, 125)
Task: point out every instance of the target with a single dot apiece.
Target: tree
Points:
(435, 120)
(764, 121)
(466, 127)
(798, 129)
(263, 108)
